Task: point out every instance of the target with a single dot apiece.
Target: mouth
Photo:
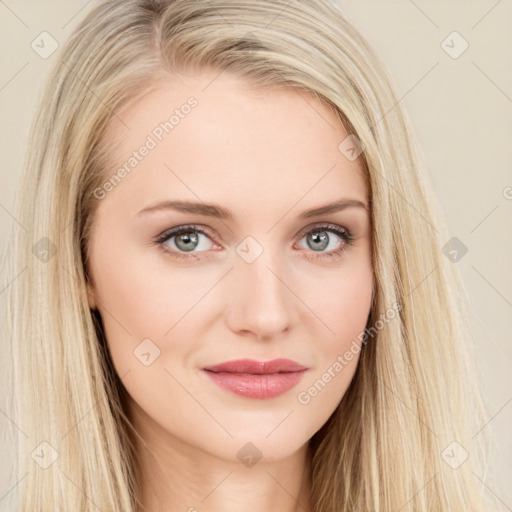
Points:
(256, 379)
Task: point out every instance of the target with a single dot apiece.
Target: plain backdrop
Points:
(460, 103)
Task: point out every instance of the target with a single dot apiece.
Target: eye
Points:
(181, 240)
(321, 237)
(187, 239)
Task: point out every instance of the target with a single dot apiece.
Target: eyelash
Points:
(343, 233)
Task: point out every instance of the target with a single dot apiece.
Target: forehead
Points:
(217, 138)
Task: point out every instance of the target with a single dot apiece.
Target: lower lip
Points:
(257, 386)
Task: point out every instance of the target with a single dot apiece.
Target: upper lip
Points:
(257, 367)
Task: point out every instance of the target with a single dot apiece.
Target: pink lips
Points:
(257, 379)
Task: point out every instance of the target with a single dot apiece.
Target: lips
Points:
(256, 379)
(257, 367)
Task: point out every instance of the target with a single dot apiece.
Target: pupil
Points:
(189, 239)
(323, 238)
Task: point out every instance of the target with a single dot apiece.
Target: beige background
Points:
(461, 109)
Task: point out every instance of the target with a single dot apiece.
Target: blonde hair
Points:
(415, 390)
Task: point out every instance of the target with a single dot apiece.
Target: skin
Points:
(266, 157)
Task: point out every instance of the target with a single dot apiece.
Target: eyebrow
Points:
(217, 211)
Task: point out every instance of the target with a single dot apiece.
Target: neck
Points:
(175, 476)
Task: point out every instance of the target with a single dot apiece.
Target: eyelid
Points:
(168, 233)
(320, 225)
(340, 231)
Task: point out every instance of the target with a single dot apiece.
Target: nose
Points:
(262, 304)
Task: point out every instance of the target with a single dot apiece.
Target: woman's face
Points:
(252, 275)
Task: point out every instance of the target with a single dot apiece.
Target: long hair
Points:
(406, 434)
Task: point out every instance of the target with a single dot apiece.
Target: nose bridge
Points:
(262, 303)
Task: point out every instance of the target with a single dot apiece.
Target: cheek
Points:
(349, 310)
(140, 301)
(344, 303)
(343, 309)
(147, 298)
(144, 295)
(150, 312)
